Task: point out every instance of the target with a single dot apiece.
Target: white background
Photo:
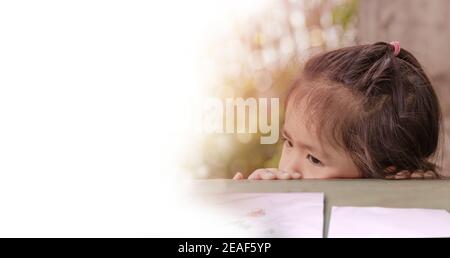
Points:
(93, 104)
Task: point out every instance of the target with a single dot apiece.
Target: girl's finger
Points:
(390, 169)
(264, 174)
(238, 176)
(296, 175)
(430, 175)
(404, 174)
(417, 174)
(267, 175)
(256, 175)
(283, 175)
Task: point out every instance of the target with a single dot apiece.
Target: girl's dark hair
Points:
(379, 107)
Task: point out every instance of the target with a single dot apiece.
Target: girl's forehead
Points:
(297, 120)
(297, 112)
(313, 115)
(295, 103)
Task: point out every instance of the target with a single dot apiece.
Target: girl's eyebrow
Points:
(306, 146)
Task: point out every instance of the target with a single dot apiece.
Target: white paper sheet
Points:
(274, 214)
(388, 222)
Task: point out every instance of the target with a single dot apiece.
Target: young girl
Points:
(365, 111)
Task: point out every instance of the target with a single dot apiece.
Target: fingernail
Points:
(296, 175)
(268, 173)
(284, 175)
(391, 169)
(429, 175)
(238, 176)
(417, 175)
(404, 174)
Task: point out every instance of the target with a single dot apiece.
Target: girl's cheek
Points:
(290, 160)
(283, 159)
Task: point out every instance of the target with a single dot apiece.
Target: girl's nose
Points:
(296, 166)
(292, 166)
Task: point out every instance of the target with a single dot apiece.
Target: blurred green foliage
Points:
(261, 58)
(344, 13)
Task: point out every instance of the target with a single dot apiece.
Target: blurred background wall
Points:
(422, 27)
(262, 52)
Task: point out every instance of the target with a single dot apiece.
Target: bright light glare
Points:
(93, 104)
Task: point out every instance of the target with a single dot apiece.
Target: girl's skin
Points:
(381, 79)
(304, 156)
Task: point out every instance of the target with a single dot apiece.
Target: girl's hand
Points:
(269, 174)
(392, 173)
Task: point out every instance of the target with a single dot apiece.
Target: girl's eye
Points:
(289, 143)
(314, 160)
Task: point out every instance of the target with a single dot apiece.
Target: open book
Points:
(302, 215)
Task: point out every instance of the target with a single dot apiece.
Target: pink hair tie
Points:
(396, 46)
